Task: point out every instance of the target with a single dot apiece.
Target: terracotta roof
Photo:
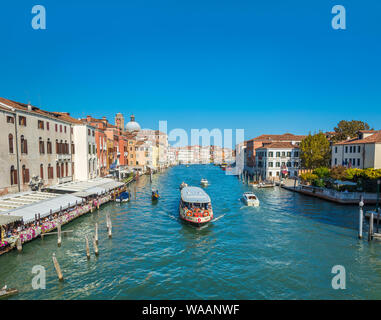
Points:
(368, 131)
(374, 138)
(279, 145)
(66, 116)
(24, 107)
(278, 137)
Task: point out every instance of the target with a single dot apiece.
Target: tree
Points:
(348, 129)
(322, 172)
(315, 151)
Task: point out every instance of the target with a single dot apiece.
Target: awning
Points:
(111, 185)
(84, 194)
(97, 190)
(345, 183)
(8, 219)
(43, 208)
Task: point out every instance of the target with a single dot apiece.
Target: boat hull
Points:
(195, 221)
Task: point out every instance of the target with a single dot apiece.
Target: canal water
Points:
(284, 249)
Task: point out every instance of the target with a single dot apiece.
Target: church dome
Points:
(132, 125)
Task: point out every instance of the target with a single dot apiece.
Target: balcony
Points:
(63, 157)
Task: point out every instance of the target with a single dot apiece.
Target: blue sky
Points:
(264, 66)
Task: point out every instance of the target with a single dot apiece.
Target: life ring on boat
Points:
(206, 213)
(189, 213)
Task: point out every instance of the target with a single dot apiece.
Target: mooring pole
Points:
(96, 232)
(109, 226)
(57, 267)
(95, 247)
(87, 248)
(370, 232)
(361, 216)
(19, 244)
(59, 239)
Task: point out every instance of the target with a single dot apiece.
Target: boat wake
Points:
(218, 218)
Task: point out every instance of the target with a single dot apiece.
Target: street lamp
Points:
(378, 193)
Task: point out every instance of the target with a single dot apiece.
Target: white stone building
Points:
(276, 160)
(361, 152)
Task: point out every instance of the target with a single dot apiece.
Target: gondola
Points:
(155, 195)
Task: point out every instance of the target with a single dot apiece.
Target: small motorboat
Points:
(155, 194)
(204, 182)
(264, 184)
(250, 199)
(7, 292)
(123, 197)
(183, 185)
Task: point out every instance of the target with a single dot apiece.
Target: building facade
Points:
(277, 160)
(361, 152)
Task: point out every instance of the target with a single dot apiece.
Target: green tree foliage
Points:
(348, 129)
(308, 177)
(322, 172)
(338, 173)
(315, 151)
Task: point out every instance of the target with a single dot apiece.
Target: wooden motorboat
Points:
(7, 292)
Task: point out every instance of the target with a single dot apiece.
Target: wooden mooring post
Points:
(96, 233)
(109, 225)
(87, 248)
(57, 267)
(59, 237)
(95, 247)
(361, 216)
(19, 244)
(370, 232)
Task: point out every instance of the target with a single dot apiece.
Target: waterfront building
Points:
(84, 148)
(34, 143)
(253, 144)
(276, 160)
(361, 152)
(185, 155)
(204, 154)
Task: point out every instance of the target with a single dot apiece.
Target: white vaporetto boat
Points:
(250, 199)
(195, 206)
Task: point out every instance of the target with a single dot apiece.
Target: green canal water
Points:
(285, 249)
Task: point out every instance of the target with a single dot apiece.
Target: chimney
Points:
(29, 107)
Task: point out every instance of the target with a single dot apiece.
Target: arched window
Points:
(41, 171)
(58, 170)
(25, 174)
(66, 169)
(41, 146)
(57, 147)
(24, 145)
(49, 146)
(50, 172)
(10, 139)
(62, 170)
(13, 175)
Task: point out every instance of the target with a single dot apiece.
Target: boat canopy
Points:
(194, 195)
